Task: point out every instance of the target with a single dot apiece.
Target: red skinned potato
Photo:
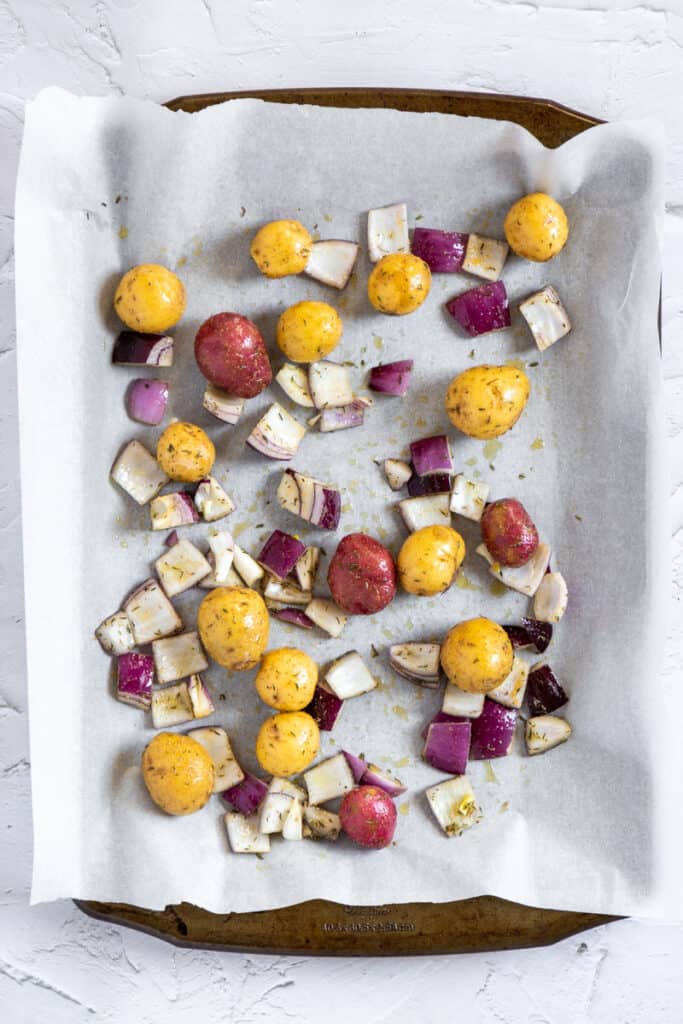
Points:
(231, 354)
(368, 816)
(362, 575)
(508, 532)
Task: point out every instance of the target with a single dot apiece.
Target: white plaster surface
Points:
(611, 58)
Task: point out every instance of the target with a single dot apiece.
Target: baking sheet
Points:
(108, 183)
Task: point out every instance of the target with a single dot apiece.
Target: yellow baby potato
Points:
(281, 247)
(308, 331)
(185, 452)
(150, 298)
(477, 655)
(233, 625)
(429, 560)
(178, 773)
(536, 227)
(399, 283)
(486, 401)
(287, 679)
(287, 743)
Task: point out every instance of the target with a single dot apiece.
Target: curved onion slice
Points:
(397, 473)
(526, 579)
(550, 600)
(447, 746)
(545, 732)
(294, 382)
(171, 510)
(294, 616)
(481, 310)
(343, 417)
(286, 592)
(332, 261)
(306, 567)
(133, 349)
(510, 693)
(375, 776)
(200, 698)
(415, 661)
(391, 378)
(431, 455)
(357, 765)
(146, 400)
(442, 251)
(222, 404)
(243, 834)
(310, 499)
(212, 501)
(245, 566)
(216, 742)
(492, 732)
(277, 435)
(280, 553)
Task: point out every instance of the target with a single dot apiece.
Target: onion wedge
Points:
(277, 435)
(545, 732)
(388, 231)
(453, 805)
(417, 662)
(332, 261)
(137, 472)
(294, 382)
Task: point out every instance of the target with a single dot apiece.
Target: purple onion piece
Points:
(431, 455)
(280, 553)
(134, 677)
(439, 717)
(171, 539)
(357, 765)
(146, 400)
(481, 310)
(134, 349)
(447, 746)
(492, 732)
(540, 633)
(375, 776)
(436, 483)
(247, 795)
(442, 251)
(342, 417)
(295, 616)
(325, 708)
(326, 510)
(544, 694)
(391, 378)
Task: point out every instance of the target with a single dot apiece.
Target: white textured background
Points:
(611, 58)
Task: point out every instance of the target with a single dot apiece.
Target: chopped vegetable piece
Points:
(181, 567)
(427, 510)
(550, 600)
(275, 807)
(137, 472)
(133, 349)
(134, 678)
(391, 378)
(230, 579)
(171, 706)
(280, 553)
(294, 616)
(171, 510)
(441, 716)
(115, 634)
(146, 400)
(510, 693)
(330, 384)
(531, 633)
(397, 472)
(481, 310)
(442, 251)
(368, 816)
(200, 698)
(211, 500)
(508, 532)
(329, 780)
(453, 805)
(434, 483)
(417, 662)
(306, 567)
(546, 316)
(468, 497)
(223, 550)
(222, 404)
(357, 765)
(492, 732)
(431, 455)
(362, 575)
(388, 231)
(294, 382)
(245, 566)
(544, 732)
(176, 657)
(310, 499)
(447, 746)
(246, 796)
(332, 261)
(525, 579)
(327, 615)
(292, 827)
(459, 703)
(151, 614)
(171, 539)
(231, 354)
(544, 694)
(375, 776)
(286, 592)
(244, 835)
(344, 417)
(325, 707)
(485, 257)
(349, 676)
(216, 742)
(277, 435)
(323, 824)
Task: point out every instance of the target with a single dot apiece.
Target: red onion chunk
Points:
(442, 251)
(247, 796)
(280, 553)
(174, 509)
(434, 483)
(544, 694)
(146, 400)
(531, 633)
(171, 539)
(294, 616)
(447, 746)
(133, 349)
(342, 417)
(439, 718)
(134, 677)
(375, 776)
(431, 455)
(312, 500)
(357, 765)
(391, 378)
(325, 708)
(481, 310)
(492, 732)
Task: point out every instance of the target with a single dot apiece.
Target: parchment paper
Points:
(107, 183)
